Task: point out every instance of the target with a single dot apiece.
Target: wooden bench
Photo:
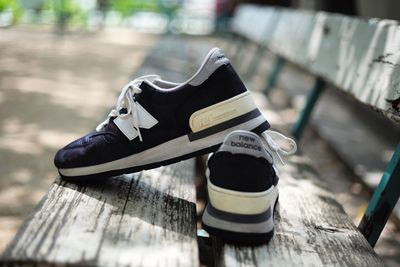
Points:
(357, 56)
(149, 218)
(140, 220)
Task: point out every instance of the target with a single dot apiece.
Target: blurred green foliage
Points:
(4, 4)
(12, 5)
(127, 7)
(66, 11)
(70, 11)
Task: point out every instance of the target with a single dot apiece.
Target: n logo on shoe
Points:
(125, 124)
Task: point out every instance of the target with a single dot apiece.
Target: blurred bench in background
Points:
(357, 56)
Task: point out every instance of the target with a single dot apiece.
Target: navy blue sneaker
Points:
(156, 122)
(242, 186)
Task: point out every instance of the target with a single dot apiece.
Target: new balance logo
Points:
(246, 138)
(245, 145)
(246, 141)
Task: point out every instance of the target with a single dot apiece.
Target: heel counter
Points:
(234, 107)
(241, 172)
(241, 183)
(241, 202)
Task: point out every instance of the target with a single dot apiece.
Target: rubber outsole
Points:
(240, 238)
(244, 239)
(105, 175)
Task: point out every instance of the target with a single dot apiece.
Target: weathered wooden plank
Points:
(311, 229)
(145, 219)
(359, 56)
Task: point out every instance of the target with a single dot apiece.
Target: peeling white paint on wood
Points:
(359, 56)
(145, 219)
(311, 229)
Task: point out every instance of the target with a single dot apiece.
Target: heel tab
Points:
(245, 142)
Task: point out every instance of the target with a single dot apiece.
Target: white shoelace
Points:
(127, 100)
(272, 146)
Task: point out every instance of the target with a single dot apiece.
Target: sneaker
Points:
(242, 186)
(157, 122)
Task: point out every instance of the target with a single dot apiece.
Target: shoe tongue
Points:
(213, 61)
(245, 142)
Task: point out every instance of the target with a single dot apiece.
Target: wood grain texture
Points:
(359, 56)
(145, 219)
(311, 229)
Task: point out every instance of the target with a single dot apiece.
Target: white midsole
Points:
(246, 203)
(174, 148)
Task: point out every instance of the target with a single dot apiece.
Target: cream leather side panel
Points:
(221, 112)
